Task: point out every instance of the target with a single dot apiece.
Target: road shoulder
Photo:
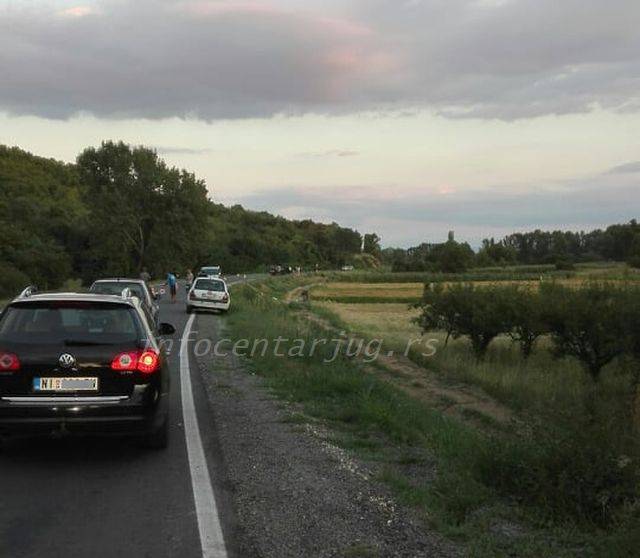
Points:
(294, 492)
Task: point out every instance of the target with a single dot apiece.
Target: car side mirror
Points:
(166, 329)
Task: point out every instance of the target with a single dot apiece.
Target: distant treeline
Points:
(560, 248)
(121, 208)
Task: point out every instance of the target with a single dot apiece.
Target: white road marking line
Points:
(211, 537)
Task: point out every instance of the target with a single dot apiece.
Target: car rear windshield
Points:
(210, 270)
(77, 322)
(209, 285)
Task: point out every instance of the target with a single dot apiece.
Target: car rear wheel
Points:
(159, 439)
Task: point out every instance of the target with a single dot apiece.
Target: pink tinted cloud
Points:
(78, 11)
(347, 51)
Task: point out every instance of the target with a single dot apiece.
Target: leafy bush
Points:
(12, 281)
(565, 264)
(571, 470)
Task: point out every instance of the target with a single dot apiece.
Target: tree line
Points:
(120, 208)
(560, 248)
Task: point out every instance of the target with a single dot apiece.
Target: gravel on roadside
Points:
(294, 493)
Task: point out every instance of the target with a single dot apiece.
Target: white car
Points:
(208, 294)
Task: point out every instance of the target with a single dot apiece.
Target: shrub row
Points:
(594, 323)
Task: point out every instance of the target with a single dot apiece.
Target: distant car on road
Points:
(138, 287)
(82, 363)
(208, 294)
(211, 271)
(347, 268)
(280, 269)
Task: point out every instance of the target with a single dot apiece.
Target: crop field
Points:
(502, 375)
(391, 321)
(400, 292)
(363, 292)
(385, 311)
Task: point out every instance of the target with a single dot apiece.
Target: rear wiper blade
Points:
(82, 343)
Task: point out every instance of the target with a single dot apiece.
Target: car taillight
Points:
(225, 298)
(9, 362)
(145, 362)
(125, 361)
(192, 294)
(148, 362)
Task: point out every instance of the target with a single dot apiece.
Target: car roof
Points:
(120, 280)
(210, 279)
(79, 297)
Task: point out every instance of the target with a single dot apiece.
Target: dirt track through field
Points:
(466, 403)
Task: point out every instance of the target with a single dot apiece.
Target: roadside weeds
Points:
(447, 466)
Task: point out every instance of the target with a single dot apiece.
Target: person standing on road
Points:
(145, 275)
(188, 278)
(172, 282)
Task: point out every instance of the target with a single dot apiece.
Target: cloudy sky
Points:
(404, 117)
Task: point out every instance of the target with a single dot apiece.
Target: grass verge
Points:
(523, 494)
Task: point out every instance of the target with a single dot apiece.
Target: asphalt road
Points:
(79, 498)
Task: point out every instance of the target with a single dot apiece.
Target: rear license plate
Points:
(65, 384)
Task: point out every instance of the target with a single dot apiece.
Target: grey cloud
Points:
(585, 203)
(627, 168)
(521, 58)
(208, 60)
(156, 59)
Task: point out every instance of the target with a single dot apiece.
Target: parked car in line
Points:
(82, 364)
(138, 287)
(208, 294)
(211, 271)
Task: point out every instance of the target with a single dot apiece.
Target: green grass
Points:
(515, 273)
(600, 270)
(553, 475)
(542, 383)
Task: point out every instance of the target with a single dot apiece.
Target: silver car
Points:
(138, 288)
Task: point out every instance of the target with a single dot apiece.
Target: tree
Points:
(41, 208)
(142, 212)
(634, 252)
(371, 244)
(465, 310)
(525, 317)
(585, 323)
(451, 257)
(495, 253)
(439, 312)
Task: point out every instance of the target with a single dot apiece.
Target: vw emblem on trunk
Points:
(66, 360)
